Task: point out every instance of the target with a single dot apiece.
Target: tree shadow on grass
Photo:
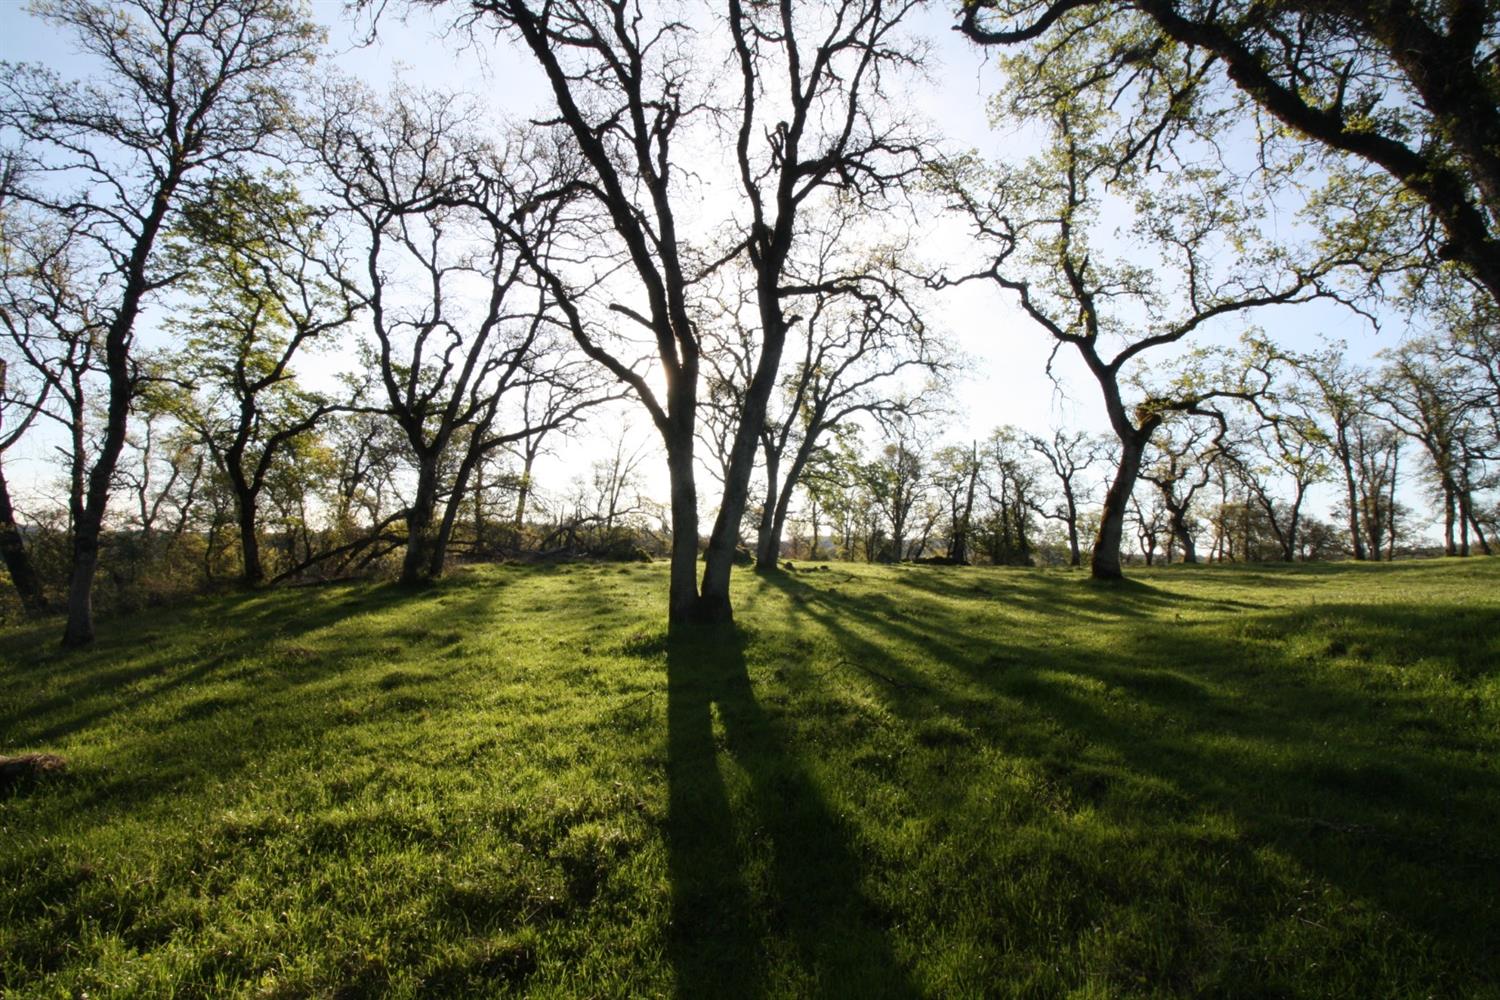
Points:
(243, 677)
(1372, 778)
(214, 736)
(766, 891)
(1073, 594)
(132, 664)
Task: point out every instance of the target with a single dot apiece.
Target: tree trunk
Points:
(253, 574)
(1450, 546)
(1180, 535)
(1390, 507)
(1023, 544)
(812, 551)
(1463, 520)
(1352, 488)
(778, 520)
(467, 468)
(523, 491)
(421, 539)
(768, 532)
(245, 489)
(718, 563)
(1375, 524)
(719, 559)
(439, 554)
(17, 559)
(959, 551)
(88, 522)
(1484, 544)
(1075, 557)
(683, 589)
(479, 506)
(80, 628)
(1105, 564)
(784, 498)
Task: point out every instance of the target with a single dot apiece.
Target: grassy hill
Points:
(887, 781)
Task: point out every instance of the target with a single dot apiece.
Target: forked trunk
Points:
(1182, 536)
(88, 510)
(718, 562)
(438, 557)
(768, 532)
(1351, 489)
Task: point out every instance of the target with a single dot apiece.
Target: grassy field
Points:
(886, 781)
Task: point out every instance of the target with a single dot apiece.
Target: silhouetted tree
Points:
(186, 88)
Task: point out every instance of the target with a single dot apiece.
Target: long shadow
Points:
(1397, 810)
(109, 677)
(777, 870)
(1076, 595)
(98, 687)
(158, 713)
(262, 670)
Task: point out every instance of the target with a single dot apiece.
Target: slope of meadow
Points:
(886, 781)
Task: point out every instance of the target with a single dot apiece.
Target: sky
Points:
(1005, 382)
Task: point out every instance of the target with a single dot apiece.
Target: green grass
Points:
(907, 781)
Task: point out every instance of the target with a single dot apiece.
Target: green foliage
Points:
(252, 256)
(890, 781)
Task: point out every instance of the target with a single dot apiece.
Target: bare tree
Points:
(858, 347)
(1069, 454)
(545, 406)
(808, 118)
(166, 472)
(1424, 393)
(187, 87)
(617, 481)
(1181, 466)
(1149, 519)
(473, 329)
